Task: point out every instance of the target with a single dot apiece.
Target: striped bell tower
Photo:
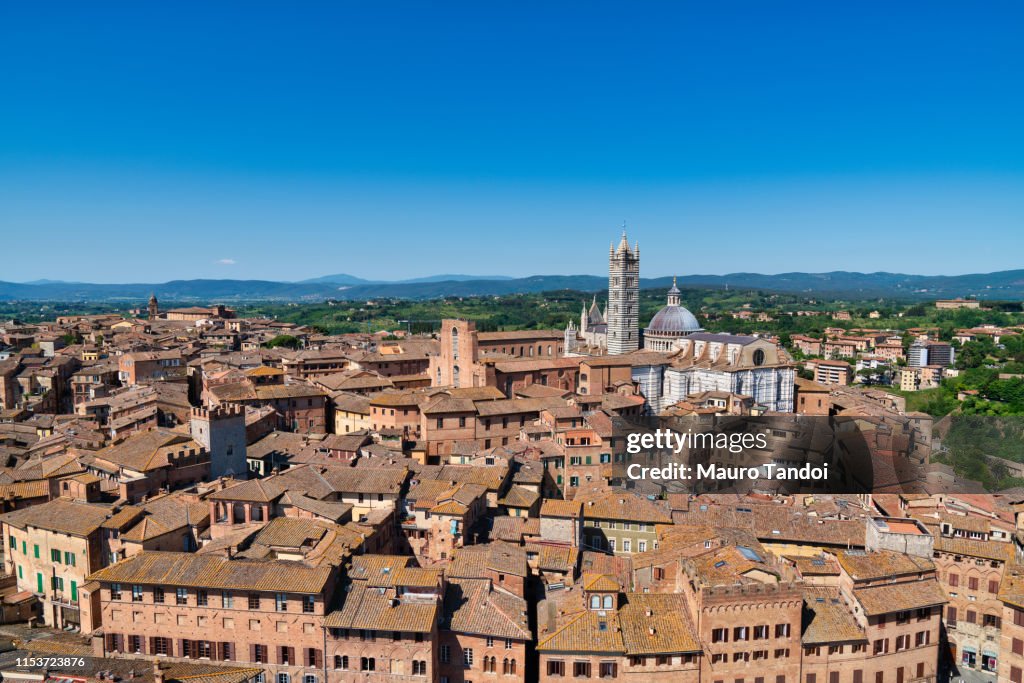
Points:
(623, 297)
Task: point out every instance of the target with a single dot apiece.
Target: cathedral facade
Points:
(591, 337)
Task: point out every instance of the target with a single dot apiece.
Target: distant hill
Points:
(453, 278)
(338, 279)
(344, 279)
(1007, 285)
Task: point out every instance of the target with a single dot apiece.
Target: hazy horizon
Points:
(497, 276)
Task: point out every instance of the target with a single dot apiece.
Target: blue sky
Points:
(146, 142)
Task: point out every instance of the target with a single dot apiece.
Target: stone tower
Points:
(221, 431)
(153, 308)
(623, 297)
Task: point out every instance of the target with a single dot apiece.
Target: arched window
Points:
(607, 602)
(504, 666)
(340, 661)
(595, 602)
(512, 667)
(455, 375)
(455, 343)
(549, 349)
(758, 357)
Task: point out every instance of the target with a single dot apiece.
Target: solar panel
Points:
(749, 553)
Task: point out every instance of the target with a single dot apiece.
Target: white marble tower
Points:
(623, 297)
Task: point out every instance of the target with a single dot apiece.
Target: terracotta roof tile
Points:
(473, 606)
(865, 566)
(829, 619)
(211, 571)
(61, 515)
(657, 623)
(380, 609)
(899, 597)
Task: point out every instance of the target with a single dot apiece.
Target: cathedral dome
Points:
(673, 319)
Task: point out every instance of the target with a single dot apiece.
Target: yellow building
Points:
(910, 379)
(351, 413)
(51, 548)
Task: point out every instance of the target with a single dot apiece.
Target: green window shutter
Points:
(39, 582)
(14, 543)
(23, 548)
(74, 591)
(35, 550)
(21, 574)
